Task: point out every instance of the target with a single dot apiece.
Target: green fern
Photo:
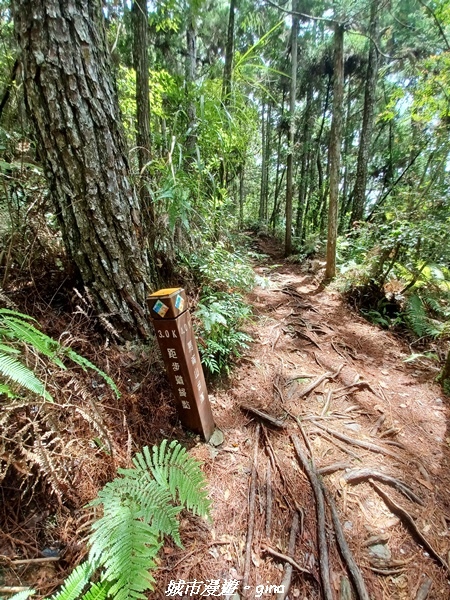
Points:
(23, 595)
(97, 591)
(140, 507)
(418, 319)
(75, 583)
(14, 370)
(174, 469)
(17, 327)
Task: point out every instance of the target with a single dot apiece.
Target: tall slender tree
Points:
(141, 66)
(335, 149)
(359, 190)
(290, 156)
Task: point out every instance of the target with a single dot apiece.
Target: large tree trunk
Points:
(73, 104)
(359, 191)
(290, 156)
(335, 149)
(143, 135)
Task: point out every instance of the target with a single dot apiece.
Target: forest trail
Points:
(370, 410)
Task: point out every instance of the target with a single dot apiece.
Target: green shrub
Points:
(220, 341)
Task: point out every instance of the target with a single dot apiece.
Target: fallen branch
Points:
(263, 415)
(359, 385)
(286, 559)
(312, 386)
(353, 568)
(275, 465)
(357, 475)
(359, 443)
(336, 443)
(269, 498)
(409, 521)
(320, 510)
(328, 469)
(251, 513)
(287, 577)
(29, 561)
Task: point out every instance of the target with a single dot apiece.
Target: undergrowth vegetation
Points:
(223, 275)
(397, 275)
(140, 508)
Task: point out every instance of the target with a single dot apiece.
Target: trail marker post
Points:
(173, 327)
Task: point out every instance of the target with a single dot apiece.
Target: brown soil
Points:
(301, 331)
(400, 410)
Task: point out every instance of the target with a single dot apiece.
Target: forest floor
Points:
(368, 414)
(373, 427)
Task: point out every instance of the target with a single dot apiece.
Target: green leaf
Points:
(20, 374)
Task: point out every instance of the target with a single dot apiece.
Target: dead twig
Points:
(360, 443)
(263, 415)
(353, 568)
(251, 513)
(336, 443)
(286, 559)
(378, 424)
(358, 385)
(328, 469)
(287, 576)
(29, 561)
(275, 465)
(409, 521)
(312, 386)
(269, 498)
(320, 510)
(357, 475)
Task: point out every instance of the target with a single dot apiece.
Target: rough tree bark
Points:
(72, 102)
(335, 149)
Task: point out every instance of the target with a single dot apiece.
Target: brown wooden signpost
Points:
(173, 327)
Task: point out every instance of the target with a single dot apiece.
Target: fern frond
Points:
(23, 331)
(13, 369)
(23, 595)
(419, 321)
(86, 364)
(172, 467)
(97, 591)
(75, 583)
(125, 546)
(154, 501)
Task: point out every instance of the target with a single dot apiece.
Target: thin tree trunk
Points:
(359, 190)
(290, 156)
(306, 150)
(335, 149)
(191, 68)
(143, 135)
(241, 195)
(267, 163)
(229, 52)
(263, 164)
(72, 102)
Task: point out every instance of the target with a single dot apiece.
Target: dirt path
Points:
(377, 413)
